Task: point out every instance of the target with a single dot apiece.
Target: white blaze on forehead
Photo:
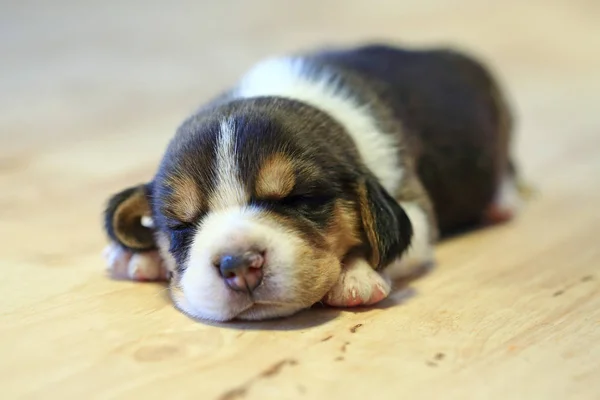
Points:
(228, 191)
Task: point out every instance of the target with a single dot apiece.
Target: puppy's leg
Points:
(361, 285)
(358, 285)
(507, 202)
(143, 266)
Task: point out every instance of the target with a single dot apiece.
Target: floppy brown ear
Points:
(385, 224)
(123, 218)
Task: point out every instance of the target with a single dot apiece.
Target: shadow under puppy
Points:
(318, 177)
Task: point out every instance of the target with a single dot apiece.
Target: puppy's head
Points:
(255, 208)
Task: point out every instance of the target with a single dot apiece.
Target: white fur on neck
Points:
(288, 77)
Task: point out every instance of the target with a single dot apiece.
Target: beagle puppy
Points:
(318, 177)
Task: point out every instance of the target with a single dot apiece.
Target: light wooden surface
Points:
(89, 95)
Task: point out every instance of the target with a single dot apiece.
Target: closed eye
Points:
(311, 200)
(177, 225)
(180, 226)
(181, 234)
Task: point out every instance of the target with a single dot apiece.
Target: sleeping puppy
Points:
(319, 177)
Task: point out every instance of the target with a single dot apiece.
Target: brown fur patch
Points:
(276, 178)
(314, 282)
(126, 221)
(320, 267)
(186, 200)
(368, 224)
(343, 231)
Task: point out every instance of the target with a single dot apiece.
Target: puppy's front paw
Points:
(144, 266)
(359, 285)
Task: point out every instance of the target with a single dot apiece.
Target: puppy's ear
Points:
(386, 225)
(123, 218)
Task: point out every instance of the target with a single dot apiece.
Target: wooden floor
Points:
(89, 95)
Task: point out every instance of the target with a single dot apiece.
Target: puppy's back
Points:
(453, 118)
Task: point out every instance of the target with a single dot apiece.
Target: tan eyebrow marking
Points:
(186, 199)
(276, 178)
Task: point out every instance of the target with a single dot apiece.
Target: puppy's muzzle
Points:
(242, 272)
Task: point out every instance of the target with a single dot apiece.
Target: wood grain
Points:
(89, 96)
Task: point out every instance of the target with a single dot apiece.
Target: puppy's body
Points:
(334, 169)
(438, 114)
(452, 117)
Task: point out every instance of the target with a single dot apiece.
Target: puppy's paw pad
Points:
(358, 285)
(379, 293)
(117, 260)
(146, 266)
(124, 264)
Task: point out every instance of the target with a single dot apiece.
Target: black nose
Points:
(242, 272)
